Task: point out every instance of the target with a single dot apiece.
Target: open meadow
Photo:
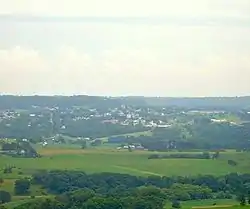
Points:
(122, 161)
(116, 161)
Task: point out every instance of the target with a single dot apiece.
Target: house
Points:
(45, 144)
(22, 152)
(139, 147)
(163, 126)
(219, 121)
(112, 121)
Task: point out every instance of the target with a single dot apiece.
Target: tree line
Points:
(142, 198)
(211, 103)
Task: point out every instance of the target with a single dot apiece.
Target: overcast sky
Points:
(125, 47)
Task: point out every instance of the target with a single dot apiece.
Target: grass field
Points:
(196, 204)
(135, 163)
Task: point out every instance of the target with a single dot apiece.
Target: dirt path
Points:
(139, 171)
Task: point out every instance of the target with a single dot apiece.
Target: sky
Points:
(178, 48)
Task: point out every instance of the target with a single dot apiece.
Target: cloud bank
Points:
(115, 57)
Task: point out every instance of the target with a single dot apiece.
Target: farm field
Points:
(200, 204)
(134, 163)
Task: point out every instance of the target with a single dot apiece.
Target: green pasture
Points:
(112, 160)
(210, 203)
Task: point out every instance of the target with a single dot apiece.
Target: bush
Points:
(204, 155)
(232, 162)
(220, 195)
(7, 169)
(4, 197)
(154, 156)
(22, 186)
(176, 204)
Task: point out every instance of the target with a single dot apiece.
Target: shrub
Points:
(22, 186)
(176, 204)
(232, 162)
(4, 197)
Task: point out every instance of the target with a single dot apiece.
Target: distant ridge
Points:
(19, 102)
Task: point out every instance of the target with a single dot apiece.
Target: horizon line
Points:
(158, 20)
(121, 96)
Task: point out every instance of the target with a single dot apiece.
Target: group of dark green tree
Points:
(76, 189)
(176, 188)
(21, 187)
(141, 198)
(19, 148)
(198, 135)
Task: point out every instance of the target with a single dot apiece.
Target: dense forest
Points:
(197, 187)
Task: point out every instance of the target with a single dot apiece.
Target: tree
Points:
(216, 155)
(41, 204)
(22, 186)
(129, 148)
(96, 142)
(142, 204)
(103, 203)
(9, 146)
(206, 155)
(4, 197)
(29, 150)
(232, 162)
(242, 199)
(176, 204)
(8, 169)
(84, 144)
